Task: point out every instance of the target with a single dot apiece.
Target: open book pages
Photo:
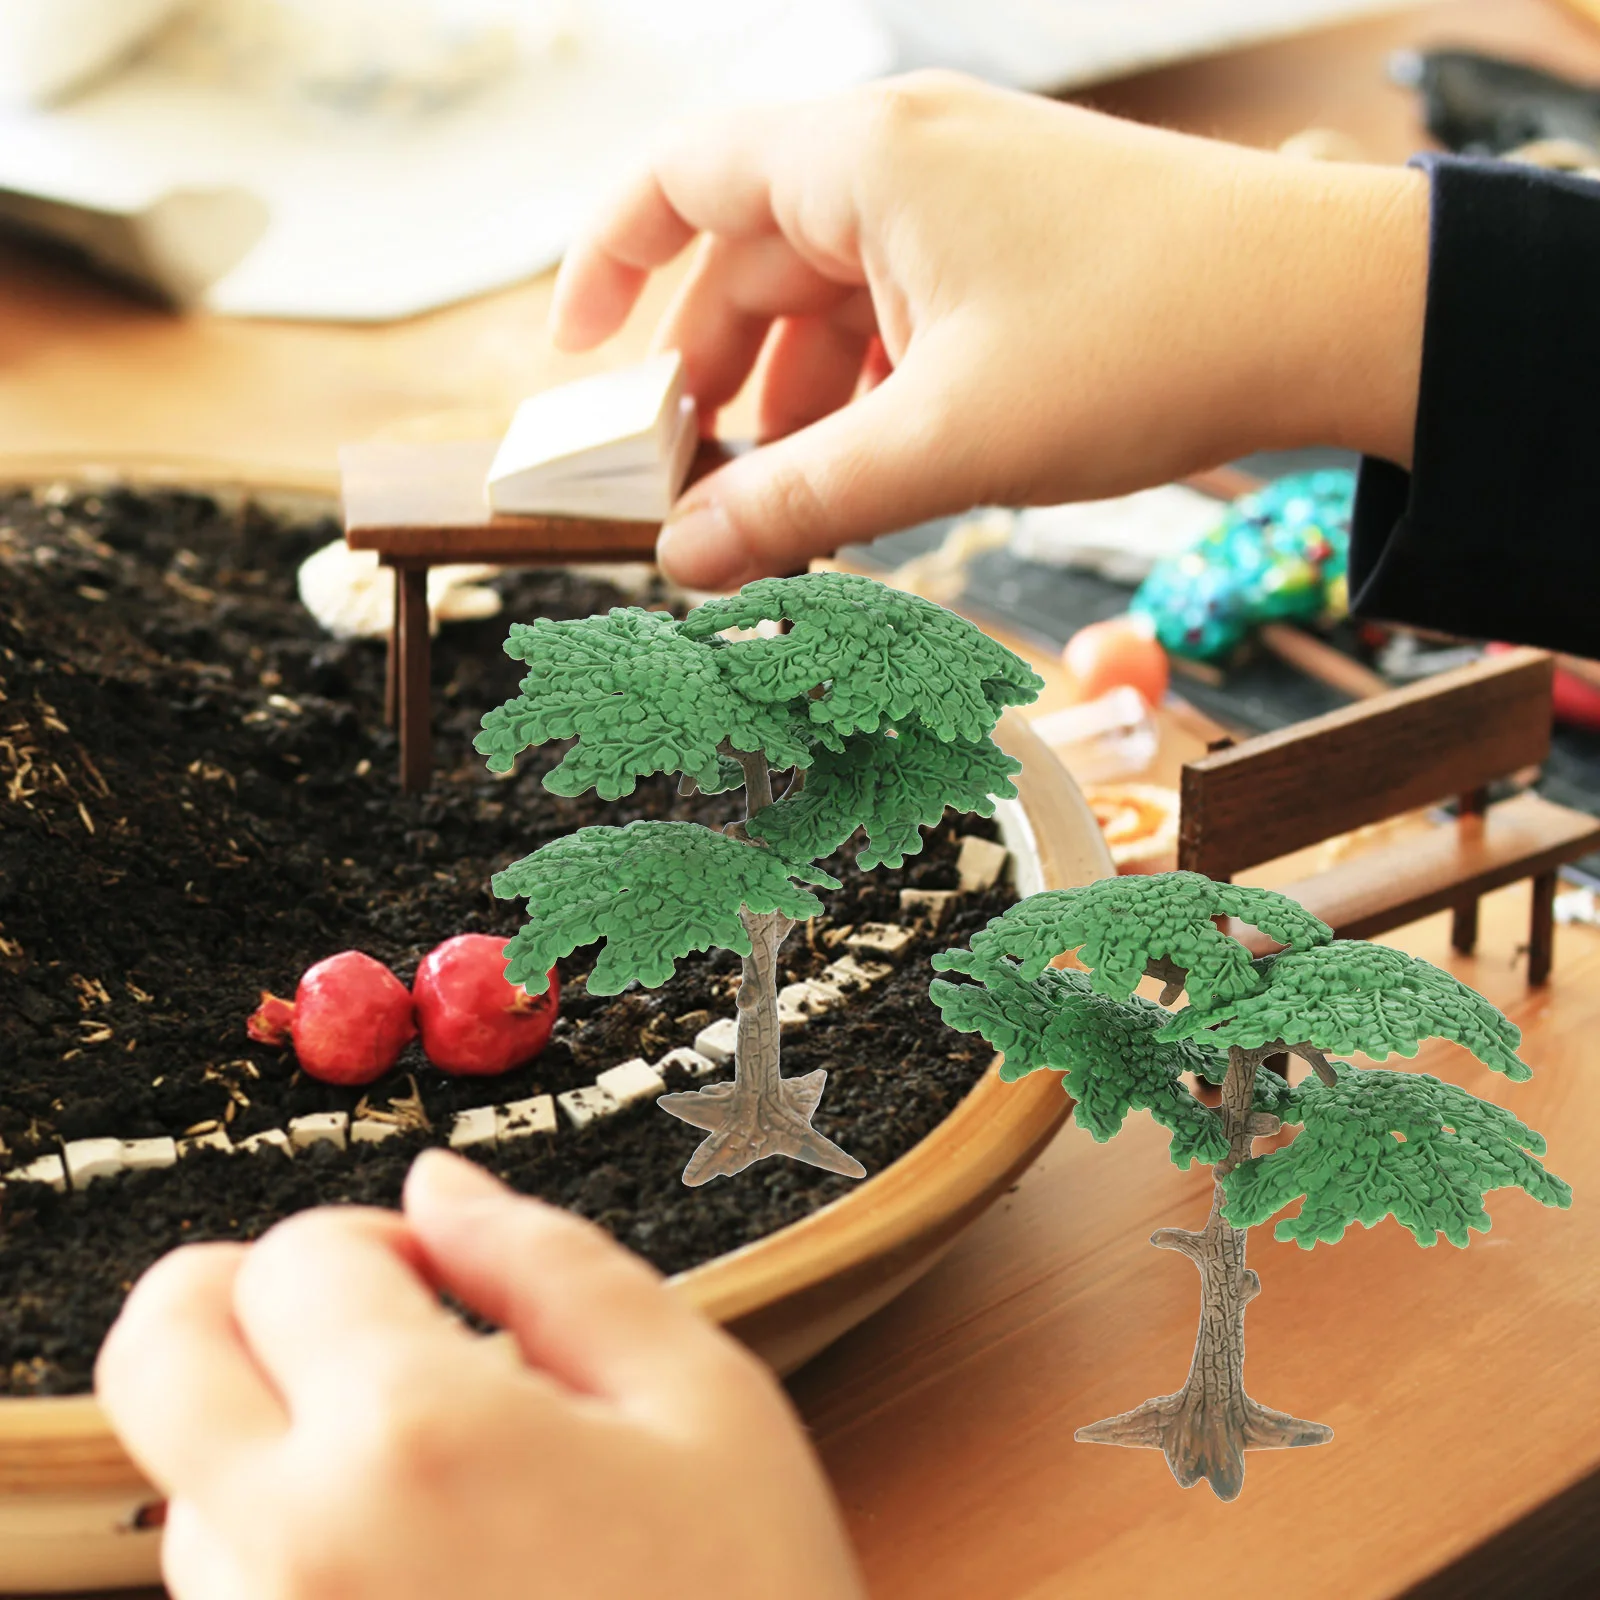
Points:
(616, 445)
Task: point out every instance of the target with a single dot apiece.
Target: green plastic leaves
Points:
(653, 891)
(640, 696)
(1350, 996)
(642, 692)
(1119, 924)
(1452, 1150)
(1371, 1144)
(884, 656)
(891, 699)
(1109, 1051)
(891, 783)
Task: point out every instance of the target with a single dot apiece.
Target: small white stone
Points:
(692, 1062)
(851, 975)
(474, 1128)
(934, 904)
(373, 1130)
(632, 1082)
(216, 1139)
(88, 1159)
(268, 1139)
(44, 1169)
(320, 1127)
(587, 1105)
(879, 939)
(812, 996)
(139, 1155)
(980, 863)
(717, 1039)
(518, 1119)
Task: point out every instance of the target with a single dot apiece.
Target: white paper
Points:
(1121, 539)
(609, 422)
(572, 485)
(1060, 44)
(382, 216)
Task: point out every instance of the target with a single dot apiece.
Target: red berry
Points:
(473, 1021)
(349, 1020)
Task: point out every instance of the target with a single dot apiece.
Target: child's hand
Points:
(323, 1427)
(1072, 306)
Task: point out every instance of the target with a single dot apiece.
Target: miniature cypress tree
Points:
(1372, 1143)
(880, 705)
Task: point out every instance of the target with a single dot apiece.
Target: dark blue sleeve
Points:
(1495, 531)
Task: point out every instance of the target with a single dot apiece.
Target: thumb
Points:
(581, 1308)
(888, 459)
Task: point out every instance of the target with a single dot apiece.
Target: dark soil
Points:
(198, 800)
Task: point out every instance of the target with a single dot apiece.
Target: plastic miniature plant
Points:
(879, 705)
(1372, 1143)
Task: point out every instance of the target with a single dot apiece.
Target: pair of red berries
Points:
(351, 1016)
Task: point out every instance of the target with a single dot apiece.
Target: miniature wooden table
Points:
(422, 505)
(1464, 1386)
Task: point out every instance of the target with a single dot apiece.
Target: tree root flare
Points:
(746, 1126)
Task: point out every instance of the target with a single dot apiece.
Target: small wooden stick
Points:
(1321, 661)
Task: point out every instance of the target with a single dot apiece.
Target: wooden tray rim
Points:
(54, 1444)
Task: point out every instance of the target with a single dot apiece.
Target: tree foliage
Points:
(1347, 1163)
(653, 891)
(640, 695)
(884, 656)
(1109, 1052)
(1350, 996)
(892, 783)
(1118, 925)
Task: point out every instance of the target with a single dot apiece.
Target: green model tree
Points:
(1371, 1144)
(878, 703)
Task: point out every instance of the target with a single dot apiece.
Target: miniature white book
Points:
(616, 445)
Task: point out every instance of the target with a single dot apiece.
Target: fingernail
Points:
(441, 1176)
(700, 548)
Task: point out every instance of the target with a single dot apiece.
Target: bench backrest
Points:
(1447, 735)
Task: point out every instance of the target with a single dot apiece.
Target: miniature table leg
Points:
(1464, 919)
(414, 669)
(391, 660)
(1542, 933)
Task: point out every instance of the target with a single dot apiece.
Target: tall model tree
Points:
(1372, 1143)
(878, 703)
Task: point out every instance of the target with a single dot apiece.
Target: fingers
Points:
(605, 270)
(708, 178)
(177, 1380)
(582, 1309)
(813, 366)
(860, 471)
(721, 315)
(324, 1295)
(730, 176)
(198, 1564)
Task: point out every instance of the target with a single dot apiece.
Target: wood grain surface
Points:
(423, 501)
(1431, 866)
(1461, 730)
(1463, 1385)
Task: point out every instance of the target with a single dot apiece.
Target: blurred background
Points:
(240, 233)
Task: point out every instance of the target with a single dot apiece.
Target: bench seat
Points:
(1439, 867)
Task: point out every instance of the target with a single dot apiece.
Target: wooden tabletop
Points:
(1463, 1387)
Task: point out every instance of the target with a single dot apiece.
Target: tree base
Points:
(746, 1126)
(1202, 1440)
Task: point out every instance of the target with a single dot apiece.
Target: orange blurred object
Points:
(1121, 650)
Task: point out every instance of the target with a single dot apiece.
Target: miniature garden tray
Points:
(74, 1512)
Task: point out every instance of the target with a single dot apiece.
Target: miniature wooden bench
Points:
(1452, 735)
(423, 505)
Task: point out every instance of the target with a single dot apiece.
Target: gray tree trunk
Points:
(1206, 1427)
(760, 1113)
